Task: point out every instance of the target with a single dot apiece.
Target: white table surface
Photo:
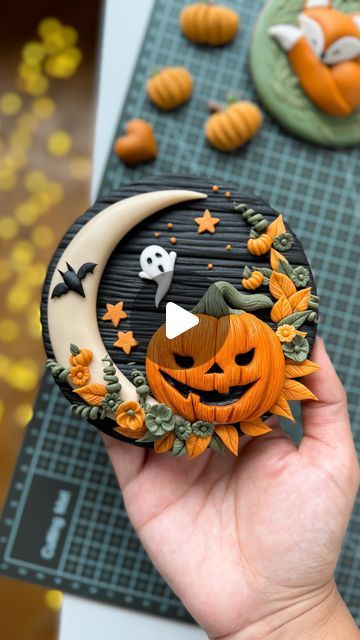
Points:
(123, 29)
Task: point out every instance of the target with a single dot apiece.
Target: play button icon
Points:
(178, 320)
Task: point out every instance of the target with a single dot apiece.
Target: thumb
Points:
(326, 421)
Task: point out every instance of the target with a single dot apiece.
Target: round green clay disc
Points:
(279, 88)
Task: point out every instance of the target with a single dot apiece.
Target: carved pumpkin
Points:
(209, 23)
(170, 87)
(227, 369)
(237, 124)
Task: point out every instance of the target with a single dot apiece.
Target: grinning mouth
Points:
(212, 397)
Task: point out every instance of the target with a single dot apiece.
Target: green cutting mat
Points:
(96, 553)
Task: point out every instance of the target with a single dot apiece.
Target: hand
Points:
(250, 544)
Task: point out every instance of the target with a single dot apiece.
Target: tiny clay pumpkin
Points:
(228, 368)
(208, 23)
(234, 126)
(170, 87)
(259, 246)
(80, 356)
(138, 144)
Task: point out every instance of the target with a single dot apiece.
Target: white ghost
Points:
(157, 264)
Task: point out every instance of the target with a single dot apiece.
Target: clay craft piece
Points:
(308, 75)
(209, 23)
(138, 144)
(236, 124)
(243, 358)
(169, 87)
(158, 265)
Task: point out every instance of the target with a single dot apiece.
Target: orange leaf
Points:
(229, 436)
(165, 443)
(300, 300)
(281, 408)
(276, 227)
(281, 285)
(299, 369)
(254, 428)
(293, 390)
(275, 258)
(281, 309)
(92, 393)
(196, 445)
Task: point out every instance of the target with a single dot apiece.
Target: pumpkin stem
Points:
(222, 299)
(74, 349)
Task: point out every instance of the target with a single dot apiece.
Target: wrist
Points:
(320, 616)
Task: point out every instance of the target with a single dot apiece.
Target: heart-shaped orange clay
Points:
(138, 144)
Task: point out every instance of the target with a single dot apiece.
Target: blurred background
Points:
(47, 108)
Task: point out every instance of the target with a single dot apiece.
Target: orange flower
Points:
(79, 374)
(286, 333)
(130, 418)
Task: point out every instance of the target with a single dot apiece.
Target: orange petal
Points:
(196, 445)
(254, 428)
(281, 408)
(281, 285)
(300, 300)
(276, 227)
(299, 369)
(293, 390)
(92, 393)
(281, 309)
(165, 443)
(230, 437)
(275, 258)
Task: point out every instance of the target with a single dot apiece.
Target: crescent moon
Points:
(72, 318)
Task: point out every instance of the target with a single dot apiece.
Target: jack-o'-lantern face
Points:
(224, 370)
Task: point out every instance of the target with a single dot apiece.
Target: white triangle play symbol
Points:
(178, 320)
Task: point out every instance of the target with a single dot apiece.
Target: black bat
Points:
(72, 280)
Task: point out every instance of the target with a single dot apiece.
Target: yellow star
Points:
(125, 341)
(206, 222)
(115, 313)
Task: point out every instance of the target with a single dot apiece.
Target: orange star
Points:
(115, 313)
(206, 222)
(125, 341)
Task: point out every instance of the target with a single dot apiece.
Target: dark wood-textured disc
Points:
(192, 277)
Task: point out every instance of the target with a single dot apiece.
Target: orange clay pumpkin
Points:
(254, 281)
(80, 356)
(259, 246)
(226, 369)
(138, 144)
(208, 23)
(237, 124)
(170, 87)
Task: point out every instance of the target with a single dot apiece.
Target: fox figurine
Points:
(324, 52)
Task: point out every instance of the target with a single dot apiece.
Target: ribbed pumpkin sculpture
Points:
(208, 23)
(227, 369)
(234, 126)
(170, 87)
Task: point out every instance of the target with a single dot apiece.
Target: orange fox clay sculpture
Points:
(324, 51)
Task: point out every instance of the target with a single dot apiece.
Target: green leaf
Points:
(295, 319)
(148, 437)
(216, 443)
(285, 268)
(179, 448)
(246, 272)
(265, 271)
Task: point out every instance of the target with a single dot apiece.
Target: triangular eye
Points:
(346, 48)
(313, 33)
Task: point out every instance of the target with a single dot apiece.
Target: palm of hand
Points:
(238, 539)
